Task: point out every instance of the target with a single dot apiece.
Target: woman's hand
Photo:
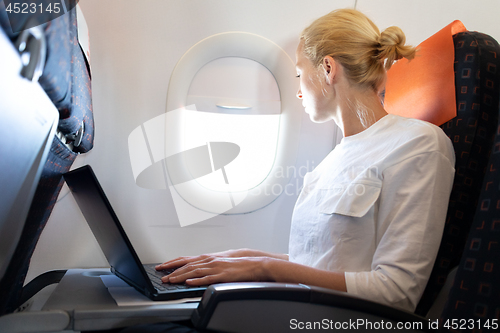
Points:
(181, 261)
(210, 269)
(240, 253)
(248, 265)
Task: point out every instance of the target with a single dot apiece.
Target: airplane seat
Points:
(475, 290)
(63, 70)
(474, 293)
(477, 90)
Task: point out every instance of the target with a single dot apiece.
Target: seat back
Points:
(475, 294)
(75, 111)
(22, 156)
(477, 82)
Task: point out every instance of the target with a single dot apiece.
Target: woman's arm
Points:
(210, 270)
(258, 253)
(240, 253)
(285, 271)
(411, 217)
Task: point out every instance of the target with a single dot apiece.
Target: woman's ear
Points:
(330, 68)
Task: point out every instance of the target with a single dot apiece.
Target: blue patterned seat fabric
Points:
(472, 131)
(475, 294)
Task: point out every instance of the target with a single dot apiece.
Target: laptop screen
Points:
(106, 227)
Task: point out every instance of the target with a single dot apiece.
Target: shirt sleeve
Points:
(411, 216)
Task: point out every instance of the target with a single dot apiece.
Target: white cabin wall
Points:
(421, 19)
(134, 48)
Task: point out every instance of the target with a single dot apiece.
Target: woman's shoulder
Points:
(414, 124)
(420, 135)
(417, 129)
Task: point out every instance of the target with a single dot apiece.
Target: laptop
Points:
(115, 244)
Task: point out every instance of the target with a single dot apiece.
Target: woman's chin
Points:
(310, 113)
(314, 117)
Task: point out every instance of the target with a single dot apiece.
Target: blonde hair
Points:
(352, 39)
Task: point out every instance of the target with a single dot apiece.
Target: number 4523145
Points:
(459, 324)
(33, 8)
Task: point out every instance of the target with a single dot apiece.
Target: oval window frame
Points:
(276, 60)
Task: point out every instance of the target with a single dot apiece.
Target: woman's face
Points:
(311, 90)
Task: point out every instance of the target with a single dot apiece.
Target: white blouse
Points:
(375, 209)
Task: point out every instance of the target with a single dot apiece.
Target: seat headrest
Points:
(424, 88)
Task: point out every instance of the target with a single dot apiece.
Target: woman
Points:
(370, 217)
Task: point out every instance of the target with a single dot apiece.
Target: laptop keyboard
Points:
(155, 277)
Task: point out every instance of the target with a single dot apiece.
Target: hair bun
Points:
(392, 46)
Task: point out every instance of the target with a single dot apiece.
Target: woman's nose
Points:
(299, 94)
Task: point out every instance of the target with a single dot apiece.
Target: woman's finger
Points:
(178, 262)
(206, 280)
(189, 267)
(193, 273)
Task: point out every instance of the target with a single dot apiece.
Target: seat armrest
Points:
(280, 307)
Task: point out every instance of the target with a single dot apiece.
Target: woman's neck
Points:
(357, 110)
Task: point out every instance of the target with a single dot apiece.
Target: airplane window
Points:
(231, 98)
(237, 100)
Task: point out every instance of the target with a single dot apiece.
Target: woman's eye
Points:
(298, 75)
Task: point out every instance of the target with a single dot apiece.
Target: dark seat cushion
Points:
(477, 83)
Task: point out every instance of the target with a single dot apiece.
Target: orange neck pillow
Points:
(424, 88)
